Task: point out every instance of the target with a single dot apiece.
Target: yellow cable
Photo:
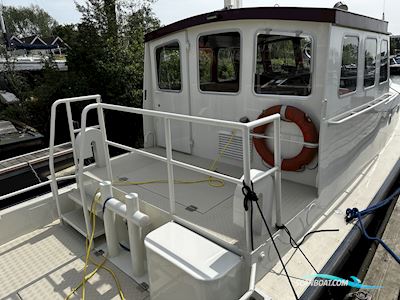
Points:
(88, 246)
(212, 181)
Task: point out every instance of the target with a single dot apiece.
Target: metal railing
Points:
(355, 112)
(244, 128)
(72, 131)
(53, 181)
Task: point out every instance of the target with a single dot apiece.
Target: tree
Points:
(27, 21)
(102, 61)
(108, 53)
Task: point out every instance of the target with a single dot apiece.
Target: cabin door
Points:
(171, 88)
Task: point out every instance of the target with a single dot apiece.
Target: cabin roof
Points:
(325, 15)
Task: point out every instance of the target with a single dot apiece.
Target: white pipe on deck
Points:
(136, 243)
(136, 221)
(109, 220)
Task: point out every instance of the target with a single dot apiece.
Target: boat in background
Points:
(395, 65)
(17, 138)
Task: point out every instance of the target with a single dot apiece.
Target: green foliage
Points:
(102, 61)
(350, 54)
(26, 21)
(169, 67)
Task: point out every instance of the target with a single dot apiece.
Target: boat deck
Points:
(201, 203)
(47, 263)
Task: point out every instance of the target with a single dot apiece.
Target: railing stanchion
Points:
(71, 131)
(53, 184)
(247, 179)
(100, 114)
(277, 175)
(170, 167)
(80, 172)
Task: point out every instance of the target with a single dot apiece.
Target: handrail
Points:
(167, 117)
(67, 102)
(354, 113)
(33, 187)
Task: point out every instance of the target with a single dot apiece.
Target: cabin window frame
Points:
(380, 61)
(214, 32)
(312, 61)
(359, 58)
(376, 62)
(180, 66)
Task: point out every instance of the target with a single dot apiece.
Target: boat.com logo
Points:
(330, 280)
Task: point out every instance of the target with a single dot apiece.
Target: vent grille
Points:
(231, 149)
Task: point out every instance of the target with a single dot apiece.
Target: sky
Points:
(169, 11)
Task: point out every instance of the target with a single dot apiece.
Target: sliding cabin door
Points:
(171, 88)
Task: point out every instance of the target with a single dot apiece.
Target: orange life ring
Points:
(306, 126)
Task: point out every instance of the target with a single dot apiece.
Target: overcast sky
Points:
(169, 11)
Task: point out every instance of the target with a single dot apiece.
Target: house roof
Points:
(15, 39)
(324, 15)
(37, 42)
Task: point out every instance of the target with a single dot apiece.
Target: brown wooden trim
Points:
(325, 15)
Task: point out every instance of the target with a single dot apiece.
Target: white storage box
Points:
(184, 265)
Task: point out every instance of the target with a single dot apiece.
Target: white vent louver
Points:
(231, 149)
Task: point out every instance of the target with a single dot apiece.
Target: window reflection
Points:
(348, 74)
(169, 67)
(219, 62)
(370, 62)
(283, 65)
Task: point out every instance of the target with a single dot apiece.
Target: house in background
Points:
(37, 45)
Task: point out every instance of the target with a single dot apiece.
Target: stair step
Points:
(76, 219)
(75, 196)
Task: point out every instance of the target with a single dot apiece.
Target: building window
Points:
(219, 62)
(383, 76)
(283, 65)
(370, 62)
(348, 73)
(169, 67)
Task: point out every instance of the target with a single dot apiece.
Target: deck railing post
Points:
(170, 167)
(80, 172)
(102, 124)
(71, 130)
(277, 175)
(53, 184)
(136, 244)
(247, 179)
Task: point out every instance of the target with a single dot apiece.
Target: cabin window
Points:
(169, 67)
(219, 62)
(348, 74)
(370, 62)
(283, 65)
(384, 62)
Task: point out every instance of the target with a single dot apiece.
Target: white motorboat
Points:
(290, 106)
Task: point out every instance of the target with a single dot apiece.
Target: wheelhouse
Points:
(234, 64)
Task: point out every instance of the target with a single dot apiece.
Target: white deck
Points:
(48, 262)
(214, 204)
